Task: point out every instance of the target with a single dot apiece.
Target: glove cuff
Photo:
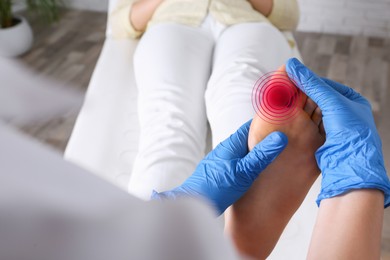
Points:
(168, 195)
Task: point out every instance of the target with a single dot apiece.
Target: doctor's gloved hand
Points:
(229, 170)
(351, 157)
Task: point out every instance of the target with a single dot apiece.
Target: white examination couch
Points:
(104, 139)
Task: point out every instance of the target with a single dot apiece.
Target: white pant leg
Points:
(172, 67)
(243, 53)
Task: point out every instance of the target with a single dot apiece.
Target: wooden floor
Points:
(69, 50)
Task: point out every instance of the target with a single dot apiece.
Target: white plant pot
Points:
(16, 40)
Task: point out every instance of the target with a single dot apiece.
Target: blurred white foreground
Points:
(51, 209)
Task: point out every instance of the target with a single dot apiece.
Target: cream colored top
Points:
(284, 14)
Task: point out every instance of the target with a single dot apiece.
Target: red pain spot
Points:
(279, 97)
(275, 98)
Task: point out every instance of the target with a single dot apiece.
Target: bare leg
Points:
(349, 227)
(256, 221)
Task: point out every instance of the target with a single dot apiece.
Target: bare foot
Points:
(256, 221)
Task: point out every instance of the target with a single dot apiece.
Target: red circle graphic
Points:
(275, 98)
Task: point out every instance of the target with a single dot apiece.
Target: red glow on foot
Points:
(279, 97)
(275, 98)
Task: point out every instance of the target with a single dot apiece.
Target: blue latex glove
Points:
(351, 157)
(228, 171)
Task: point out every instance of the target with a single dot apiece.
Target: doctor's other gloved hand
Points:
(229, 170)
(351, 157)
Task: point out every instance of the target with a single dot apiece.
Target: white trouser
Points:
(185, 73)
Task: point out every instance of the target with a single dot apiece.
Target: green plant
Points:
(48, 10)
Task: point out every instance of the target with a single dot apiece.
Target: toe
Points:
(310, 107)
(322, 130)
(316, 117)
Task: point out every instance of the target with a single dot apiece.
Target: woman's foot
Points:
(256, 221)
